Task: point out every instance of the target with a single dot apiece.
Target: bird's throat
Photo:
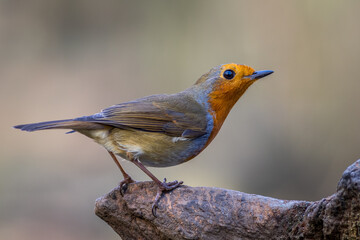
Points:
(221, 100)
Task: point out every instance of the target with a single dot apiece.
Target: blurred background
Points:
(290, 136)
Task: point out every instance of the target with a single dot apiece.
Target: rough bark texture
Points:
(214, 213)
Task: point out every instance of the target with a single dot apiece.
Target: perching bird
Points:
(164, 130)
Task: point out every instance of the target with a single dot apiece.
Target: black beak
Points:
(259, 74)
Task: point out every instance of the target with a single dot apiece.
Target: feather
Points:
(157, 113)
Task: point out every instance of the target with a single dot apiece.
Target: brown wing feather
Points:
(173, 115)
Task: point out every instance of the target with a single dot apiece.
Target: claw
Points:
(124, 184)
(163, 187)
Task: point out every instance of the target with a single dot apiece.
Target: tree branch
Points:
(215, 213)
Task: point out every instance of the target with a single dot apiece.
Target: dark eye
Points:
(229, 74)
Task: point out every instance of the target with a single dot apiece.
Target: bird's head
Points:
(224, 85)
(230, 80)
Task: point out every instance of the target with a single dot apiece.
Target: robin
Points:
(164, 130)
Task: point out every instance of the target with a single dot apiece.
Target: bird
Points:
(166, 129)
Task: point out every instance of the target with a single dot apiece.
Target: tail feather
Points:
(60, 124)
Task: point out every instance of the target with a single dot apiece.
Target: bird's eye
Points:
(229, 74)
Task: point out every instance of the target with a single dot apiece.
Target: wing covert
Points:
(179, 116)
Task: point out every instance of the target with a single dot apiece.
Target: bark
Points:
(215, 213)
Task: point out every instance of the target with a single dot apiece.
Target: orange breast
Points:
(221, 100)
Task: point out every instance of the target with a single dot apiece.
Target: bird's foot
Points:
(164, 187)
(124, 184)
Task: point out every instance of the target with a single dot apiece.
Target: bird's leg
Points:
(127, 179)
(163, 186)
